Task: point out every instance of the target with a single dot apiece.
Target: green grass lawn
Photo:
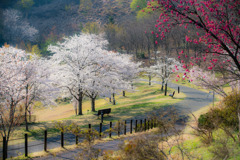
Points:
(144, 100)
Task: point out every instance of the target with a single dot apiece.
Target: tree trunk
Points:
(162, 86)
(7, 148)
(149, 80)
(114, 102)
(80, 98)
(238, 112)
(124, 94)
(26, 108)
(165, 89)
(30, 116)
(93, 104)
(26, 121)
(110, 99)
(75, 107)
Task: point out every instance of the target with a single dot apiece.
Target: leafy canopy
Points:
(137, 5)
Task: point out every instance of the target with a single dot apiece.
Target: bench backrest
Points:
(105, 111)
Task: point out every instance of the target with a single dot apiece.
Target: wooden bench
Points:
(103, 111)
(171, 95)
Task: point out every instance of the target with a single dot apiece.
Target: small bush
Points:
(141, 148)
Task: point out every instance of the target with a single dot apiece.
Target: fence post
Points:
(45, 140)
(152, 124)
(100, 130)
(141, 125)
(165, 89)
(102, 117)
(145, 124)
(136, 126)
(26, 145)
(148, 124)
(4, 148)
(89, 129)
(110, 131)
(131, 127)
(76, 139)
(125, 128)
(118, 128)
(178, 89)
(62, 139)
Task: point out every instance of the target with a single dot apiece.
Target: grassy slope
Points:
(192, 143)
(145, 99)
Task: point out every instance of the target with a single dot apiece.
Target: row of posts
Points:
(147, 125)
(165, 93)
(143, 126)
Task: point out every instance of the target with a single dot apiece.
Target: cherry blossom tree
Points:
(164, 67)
(84, 67)
(12, 85)
(208, 80)
(127, 69)
(16, 28)
(23, 81)
(39, 86)
(98, 81)
(75, 61)
(213, 24)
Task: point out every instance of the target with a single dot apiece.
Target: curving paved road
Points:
(194, 100)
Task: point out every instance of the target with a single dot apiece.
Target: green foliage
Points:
(147, 11)
(141, 55)
(90, 135)
(52, 38)
(85, 5)
(137, 5)
(26, 4)
(230, 107)
(119, 126)
(75, 129)
(61, 126)
(68, 7)
(92, 28)
(205, 121)
(65, 100)
(113, 32)
(225, 115)
(111, 19)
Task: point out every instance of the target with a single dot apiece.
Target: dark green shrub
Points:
(224, 115)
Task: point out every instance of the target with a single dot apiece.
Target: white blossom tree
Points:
(39, 86)
(12, 84)
(16, 28)
(209, 80)
(164, 67)
(23, 81)
(75, 61)
(150, 73)
(127, 69)
(84, 67)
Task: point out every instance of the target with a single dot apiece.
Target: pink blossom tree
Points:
(212, 24)
(208, 80)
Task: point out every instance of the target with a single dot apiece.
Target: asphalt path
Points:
(193, 101)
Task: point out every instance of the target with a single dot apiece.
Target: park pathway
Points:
(194, 100)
